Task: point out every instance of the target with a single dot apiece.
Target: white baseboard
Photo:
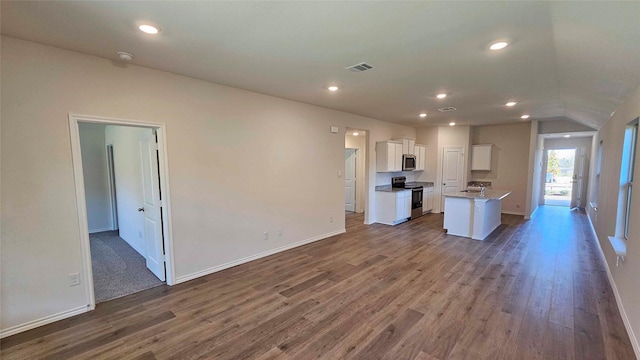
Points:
(513, 213)
(623, 313)
(214, 269)
(91, 231)
(532, 214)
(44, 321)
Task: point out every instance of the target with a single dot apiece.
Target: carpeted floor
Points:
(118, 269)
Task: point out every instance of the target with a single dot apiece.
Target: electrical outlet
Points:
(279, 232)
(518, 206)
(266, 235)
(330, 219)
(74, 279)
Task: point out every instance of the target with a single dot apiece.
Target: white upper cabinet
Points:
(481, 157)
(408, 145)
(421, 154)
(388, 156)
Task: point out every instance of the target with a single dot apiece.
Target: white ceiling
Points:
(577, 60)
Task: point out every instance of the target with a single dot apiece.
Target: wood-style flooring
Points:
(532, 290)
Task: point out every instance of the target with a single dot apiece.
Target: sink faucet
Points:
(482, 188)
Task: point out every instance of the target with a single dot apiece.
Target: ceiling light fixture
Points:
(423, 115)
(498, 45)
(441, 96)
(525, 116)
(149, 29)
(452, 123)
(567, 136)
(511, 103)
(333, 88)
(355, 133)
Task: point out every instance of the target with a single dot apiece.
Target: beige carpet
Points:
(118, 269)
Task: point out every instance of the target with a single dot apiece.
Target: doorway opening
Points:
(563, 177)
(355, 174)
(123, 205)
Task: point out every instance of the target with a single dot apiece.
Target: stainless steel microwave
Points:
(408, 162)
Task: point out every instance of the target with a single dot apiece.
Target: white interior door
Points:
(578, 178)
(452, 170)
(151, 205)
(350, 179)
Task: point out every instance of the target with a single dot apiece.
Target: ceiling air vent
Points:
(447, 109)
(359, 67)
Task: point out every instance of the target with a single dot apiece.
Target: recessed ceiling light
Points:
(149, 29)
(452, 123)
(423, 115)
(333, 88)
(567, 136)
(511, 103)
(498, 45)
(525, 116)
(355, 133)
(441, 96)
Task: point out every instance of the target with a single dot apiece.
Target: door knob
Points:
(141, 209)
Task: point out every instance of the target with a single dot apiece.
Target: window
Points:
(626, 173)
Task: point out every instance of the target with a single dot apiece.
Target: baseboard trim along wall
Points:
(44, 321)
(513, 213)
(623, 313)
(91, 231)
(214, 269)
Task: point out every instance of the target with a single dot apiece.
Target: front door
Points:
(578, 178)
(452, 170)
(151, 209)
(350, 179)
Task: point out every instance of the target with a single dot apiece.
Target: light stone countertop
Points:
(489, 194)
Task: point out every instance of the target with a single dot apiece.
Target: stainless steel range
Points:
(417, 192)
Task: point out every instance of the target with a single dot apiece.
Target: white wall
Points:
(534, 182)
(428, 136)
(625, 277)
(129, 196)
(238, 166)
(556, 126)
(455, 136)
(573, 143)
(96, 180)
(358, 142)
(509, 161)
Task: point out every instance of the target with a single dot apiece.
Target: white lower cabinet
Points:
(393, 208)
(427, 204)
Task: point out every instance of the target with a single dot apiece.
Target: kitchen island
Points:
(473, 214)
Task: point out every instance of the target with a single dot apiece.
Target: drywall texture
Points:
(574, 143)
(128, 170)
(358, 142)
(450, 136)
(509, 161)
(625, 276)
(96, 180)
(562, 125)
(240, 164)
(428, 136)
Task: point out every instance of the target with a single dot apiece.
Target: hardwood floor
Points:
(532, 290)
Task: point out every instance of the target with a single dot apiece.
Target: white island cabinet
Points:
(393, 207)
(472, 214)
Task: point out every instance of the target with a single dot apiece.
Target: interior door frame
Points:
(355, 182)
(83, 226)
